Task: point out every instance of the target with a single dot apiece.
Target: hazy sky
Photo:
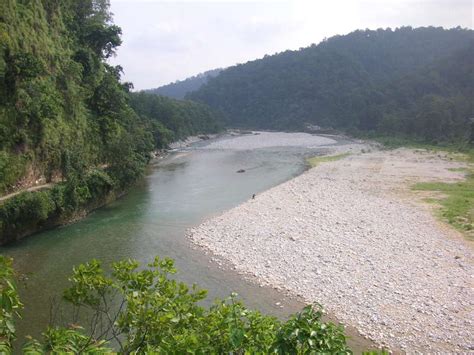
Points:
(164, 41)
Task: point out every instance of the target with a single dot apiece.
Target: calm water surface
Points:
(179, 192)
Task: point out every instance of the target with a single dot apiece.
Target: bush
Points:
(99, 183)
(10, 305)
(127, 169)
(26, 209)
(154, 313)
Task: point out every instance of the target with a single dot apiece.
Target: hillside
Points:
(383, 80)
(172, 119)
(65, 118)
(180, 88)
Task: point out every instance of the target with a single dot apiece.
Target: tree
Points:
(145, 311)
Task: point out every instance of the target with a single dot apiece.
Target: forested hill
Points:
(60, 101)
(65, 117)
(180, 88)
(172, 119)
(416, 82)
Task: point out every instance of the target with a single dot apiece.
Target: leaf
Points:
(10, 326)
(236, 337)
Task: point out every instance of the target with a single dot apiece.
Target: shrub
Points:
(10, 305)
(99, 183)
(26, 209)
(153, 313)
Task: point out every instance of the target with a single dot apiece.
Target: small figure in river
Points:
(253, 197)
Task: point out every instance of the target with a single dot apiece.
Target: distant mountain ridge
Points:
(180, 88)
(386, 81)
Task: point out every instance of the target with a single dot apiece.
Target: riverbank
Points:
(39, 208)
(351, 235)
(178, 192)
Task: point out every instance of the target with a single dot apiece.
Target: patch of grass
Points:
(314, 161)
(457, 208)
(461, 151)
(457, 203)
(431, 200)
(459, 169)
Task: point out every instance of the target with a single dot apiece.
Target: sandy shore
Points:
(350, 235)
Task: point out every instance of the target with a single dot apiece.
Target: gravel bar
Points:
(350, 235)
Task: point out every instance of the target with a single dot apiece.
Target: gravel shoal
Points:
(349, 235)
(272, 139)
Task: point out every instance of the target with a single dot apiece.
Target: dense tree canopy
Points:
(58, 96)
(416, 82)
(172, 119)
(66, 118)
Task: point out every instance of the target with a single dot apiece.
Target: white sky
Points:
(166, 40)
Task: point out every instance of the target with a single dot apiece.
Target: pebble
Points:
(373, 259)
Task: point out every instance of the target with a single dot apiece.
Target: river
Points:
(178, 192)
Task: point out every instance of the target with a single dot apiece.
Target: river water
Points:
(179, 192)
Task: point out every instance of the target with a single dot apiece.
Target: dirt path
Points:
(30, 189)
(352, 236)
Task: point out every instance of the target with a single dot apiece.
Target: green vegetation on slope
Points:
(409, 82)
(171, 120)
(59, 100)
(65, 117)
(154, 313)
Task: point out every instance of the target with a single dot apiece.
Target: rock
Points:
(376, 260)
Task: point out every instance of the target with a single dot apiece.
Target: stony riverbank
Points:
(350, 235)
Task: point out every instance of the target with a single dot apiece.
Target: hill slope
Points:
(346, 81)
(180, 88)
(65, 118)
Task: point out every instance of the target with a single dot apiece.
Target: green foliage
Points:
(174, 119)
(64, 112)
(408, 82)
(60, 103)
(11, 169)
(162, 136)
(99, 183)
(305, 334)
(10, 305)
(65, 341)
(32, 210)
(144, 310)
(24, 211)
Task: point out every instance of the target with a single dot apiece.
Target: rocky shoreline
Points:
(349, 235)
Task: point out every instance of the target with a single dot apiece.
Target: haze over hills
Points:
(416, 82)
(180, 88)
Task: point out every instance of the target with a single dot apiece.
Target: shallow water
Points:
(179, 192)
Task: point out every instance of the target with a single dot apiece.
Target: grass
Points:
(457, 203)
(459, 151)
(315, 161)
(466, 170)
(457, 207)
